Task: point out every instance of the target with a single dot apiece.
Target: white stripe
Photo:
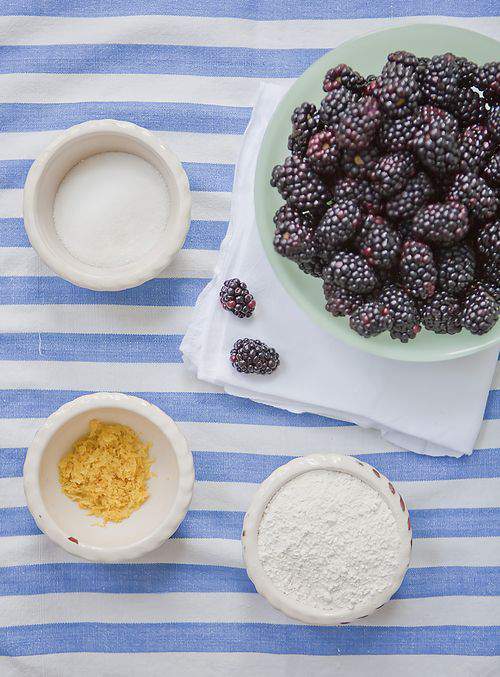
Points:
(207, 206)
(246, 665)
(189, 147)
(216, 607)
(18, 261)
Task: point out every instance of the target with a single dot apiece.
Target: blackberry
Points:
(489, 288)
(250, 356)
(391, 173)
(403, 310)
(436, 146)
(343, 75)
(334, 105)
(338, 225)
(313, 266)
(439, 80)
(441, 223)
(396, 134)
(473, 192)
(442, 314)
(381, 244)
(341, 302)
(299, 185)
(405, 58)
(488, 240)
(468, 107)
(363, 192)
(490, 271)
(475, 148)
(491, 173)
(456, 268)
(323, 152)
(350, 271)
(398, 93)
(371, 319)
(417, 269)
(359, 124)
(417, 192)
(467, 71)
(358, 163)
(480, 311)
(488, 81)
(494, 122)
(429, 115)
(305, 123)
(294, 234)
(234, 296)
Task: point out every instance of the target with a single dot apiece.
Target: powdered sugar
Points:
(329, 540)
(111, 209)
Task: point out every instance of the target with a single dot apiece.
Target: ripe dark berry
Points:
(313, 266)
(234, 296)
(350, 271)
(380, 244)
(418, 270)
(397, 134)
(397, 91)
(299, 185)
(403, 310)
(392, 172)
(488, 81)
(417, 193)
(480, 312)
(294, 234)
(359, 124)
(341, 302)
(456, 268)
(436, 146)
(430, 114)
(442, 314)
(441, 223)
(334, 105)
(339, 224)
(491, 173)
(405, 58)
(490, 271)
(475, 148)
(323, 152)
(468, 107)
(363, 192)
(250, 356)
(473, 192)
(343, 76)
(488, 240)
(371, 319)
(494, 122)
(439, 80)
(357, 164)
(305, 123)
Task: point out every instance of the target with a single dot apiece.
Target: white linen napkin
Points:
(433, 408)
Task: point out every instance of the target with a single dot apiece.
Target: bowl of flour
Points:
(327, 539)
(107, 205)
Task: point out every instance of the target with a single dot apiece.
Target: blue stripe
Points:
(200, 407)
(249, 9)
(201, 234)
(171, 59)
(38, 579)
(51, 638)
(91, 347)
(435, 523)
(156, 116)
(202, 176)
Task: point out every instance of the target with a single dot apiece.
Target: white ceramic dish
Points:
(282, 475)
(46, 173)
(68, 525)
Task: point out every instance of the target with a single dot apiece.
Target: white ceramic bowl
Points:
(46, 173)
(68, 525)
(251, 524)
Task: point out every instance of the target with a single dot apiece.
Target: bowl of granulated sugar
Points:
(107, 205)
(327, 539)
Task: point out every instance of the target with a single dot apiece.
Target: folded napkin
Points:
(434, 408)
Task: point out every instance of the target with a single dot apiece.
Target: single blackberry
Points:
(234, 296)
(417, 193)
(363, 192)
(397, 91)
(403, 310)
(250, 356)
(468, 107)
(350, 271)
(396, 134)
(293, 235)
(405, 58)
(467, 71)
(494, 122)
(305, 123)
(429, 115)
(371, 319)
(441, 223)
(488, 240)
(358, 163)
(391, 173)
(488, 81)
(473, 192)
(299, 185)
(491, 173)
(338, 225)
(436, 146)
(323, 152)
(489, 288)
(418, 270)
(341, 302)
(480, 312)
(475, 148)
(334, 105)
(439, 80)
(359, 124)
(381, 244)
(343, 76)
(456, 268)
(442, 314)
(490, 271)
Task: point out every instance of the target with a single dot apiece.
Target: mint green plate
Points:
(366, 54)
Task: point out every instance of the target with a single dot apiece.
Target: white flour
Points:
(328, 540)
(111, 209)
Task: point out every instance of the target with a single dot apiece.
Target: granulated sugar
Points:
(329, 540)
(111, 209)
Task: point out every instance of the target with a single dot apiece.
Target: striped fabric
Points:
(189, 71)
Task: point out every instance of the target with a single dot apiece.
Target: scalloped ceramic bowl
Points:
(366, 54)
(170, 488)
(46, 173)
(270, 486)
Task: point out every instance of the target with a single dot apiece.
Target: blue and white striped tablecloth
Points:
(189, 71)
